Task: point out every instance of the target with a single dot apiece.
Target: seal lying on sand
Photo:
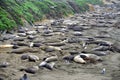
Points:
(79, 59)
(76, 59)
(31, 70)
(30, 57)
(101, 48)
(46, 65)
(21, 50)
(50, 58)
(6, 46)
(68, 58)
(90, 57)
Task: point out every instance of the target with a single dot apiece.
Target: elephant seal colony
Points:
(73, 48)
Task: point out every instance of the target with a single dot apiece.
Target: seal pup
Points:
(46, 65)
(25, 77)
(78, 59)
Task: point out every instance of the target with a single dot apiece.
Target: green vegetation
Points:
(13, 12)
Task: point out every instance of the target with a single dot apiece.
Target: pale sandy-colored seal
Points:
(51, 58)
(46, 65)
(78, 59)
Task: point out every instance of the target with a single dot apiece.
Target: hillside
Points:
(14, 12)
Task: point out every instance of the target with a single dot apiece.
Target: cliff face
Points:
(13, 12)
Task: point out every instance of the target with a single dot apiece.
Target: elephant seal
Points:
(78, 59)
(50, 48)
(6, 46)
(68, 58)
(33, 58)
(115, 47)
(50, 58)
(22, 34)
(32, 44)
(46, 65)
(101, 48)
(100, 53)
(31, 32)
(32, 69)
(31, 37)
(90, 57)
(21, 50)
(24, 56)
